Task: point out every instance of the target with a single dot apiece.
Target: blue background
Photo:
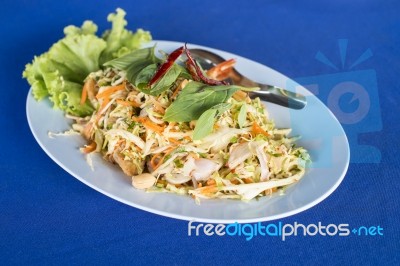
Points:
(49, 217)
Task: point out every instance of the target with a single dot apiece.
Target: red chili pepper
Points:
(196, 72)
(192, 70)
(166, 65)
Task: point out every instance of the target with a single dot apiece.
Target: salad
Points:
(169, 124)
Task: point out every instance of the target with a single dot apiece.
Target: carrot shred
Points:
(270, 191)
(88, 86)
(105, 95)
(240, 96)
(179, 88)
(89, 148)
(102, 106)
(153, 160)
(84, 94)
(149, 124)
(156, 165)
(248, 180)
(222, 70)
(256, 129)
(128, 103)
(158, 107)
(210, 182)
(208, 189)
(235, 182)
(107, 92)
(174, 141)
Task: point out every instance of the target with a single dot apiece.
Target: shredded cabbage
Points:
(235, 161)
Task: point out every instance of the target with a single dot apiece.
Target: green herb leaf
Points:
(222, 107)
(234, 139)
(205, 124)
(145, 75)
(134, 62)
(195, 99)
(184, 73)
(165, 82)
(242, 115)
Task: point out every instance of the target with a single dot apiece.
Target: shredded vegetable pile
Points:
(175, 127)
(171, 141)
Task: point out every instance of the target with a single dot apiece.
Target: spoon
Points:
(268, 93)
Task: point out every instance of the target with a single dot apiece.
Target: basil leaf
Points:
(163, 84)
(242, 115)
(134, 62)
(184, 73)
(145, 75)
(222, 107)
(195, 99)
(205, 124)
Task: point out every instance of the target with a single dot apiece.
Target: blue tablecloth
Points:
(49, 217)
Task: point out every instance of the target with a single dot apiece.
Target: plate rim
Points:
(303, 208)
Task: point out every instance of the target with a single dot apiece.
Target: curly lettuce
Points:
(121, 41)
(59, 73)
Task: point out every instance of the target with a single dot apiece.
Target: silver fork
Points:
(268, 93)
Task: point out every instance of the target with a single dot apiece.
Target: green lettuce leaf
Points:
(87, 28)
(76, 56)
(35, 78)
(64, 94)
(121, 41)
(70, 97)
(60, 72)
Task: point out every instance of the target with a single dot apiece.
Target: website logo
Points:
(283, 231)
(351, 93)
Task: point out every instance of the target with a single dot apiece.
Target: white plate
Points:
(321, 134)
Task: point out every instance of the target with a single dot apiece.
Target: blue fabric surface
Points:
(49, 217)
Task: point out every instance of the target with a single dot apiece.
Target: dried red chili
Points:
(166, 65)
(196, 72)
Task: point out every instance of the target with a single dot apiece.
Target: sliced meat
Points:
(127, 166)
